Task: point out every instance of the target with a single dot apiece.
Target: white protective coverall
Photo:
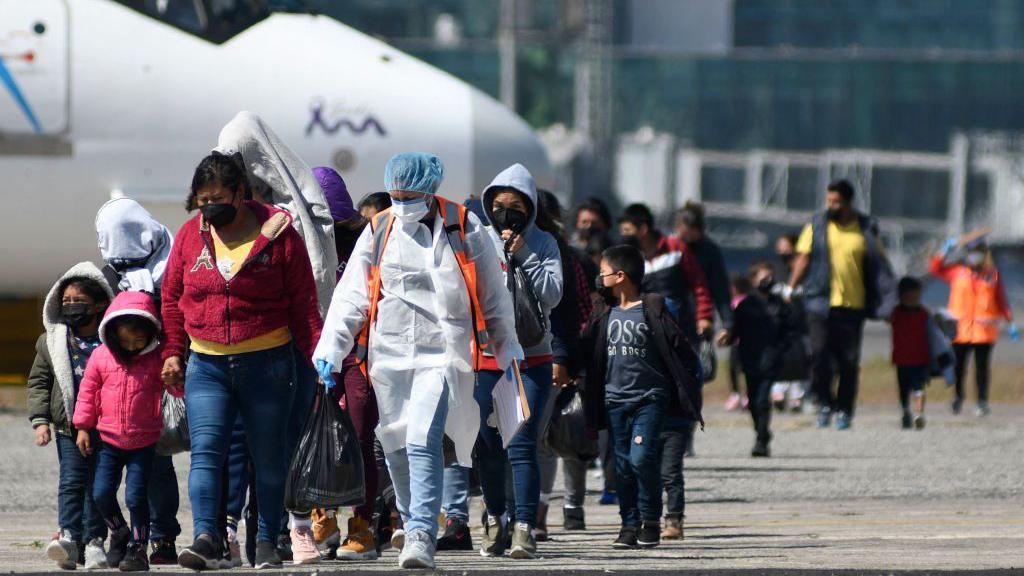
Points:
(292, 187)
(424, 326)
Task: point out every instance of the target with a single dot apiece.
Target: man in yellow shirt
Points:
(845, 279)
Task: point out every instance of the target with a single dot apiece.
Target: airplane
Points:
(102, 97)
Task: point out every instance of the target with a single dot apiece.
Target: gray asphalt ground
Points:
(873, 500)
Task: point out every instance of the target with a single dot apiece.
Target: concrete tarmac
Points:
(871, 500)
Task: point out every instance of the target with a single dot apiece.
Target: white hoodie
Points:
(127, 232)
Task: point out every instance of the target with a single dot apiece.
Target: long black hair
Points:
(228, 170)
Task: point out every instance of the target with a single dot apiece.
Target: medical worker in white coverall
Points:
(406, 304)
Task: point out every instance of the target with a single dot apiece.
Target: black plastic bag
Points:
(566, 434)
(327, 468)
(174, 437)
(708, 359)
(531, 321)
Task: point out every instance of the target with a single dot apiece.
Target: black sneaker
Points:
(574, 519)
(203, 554)
(761, 450)
(626, 539)
(164, 553)
(284, 548)
(118, 546)
(135, 559)
(907, 422)
(267, 555)
(456, 536)
(649, 535)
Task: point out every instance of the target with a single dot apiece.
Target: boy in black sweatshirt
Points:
(757, 331)
(639, 365)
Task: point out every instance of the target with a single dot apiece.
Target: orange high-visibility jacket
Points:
(976, 299)
(454, 216)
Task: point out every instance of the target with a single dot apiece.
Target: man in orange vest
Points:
(421, 298)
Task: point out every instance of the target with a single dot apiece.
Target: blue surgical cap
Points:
(414, 172)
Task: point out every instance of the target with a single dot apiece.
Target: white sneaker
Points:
(63, 550)
(418, 551)
(95, 555)
(398, 539)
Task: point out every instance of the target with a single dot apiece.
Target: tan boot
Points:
(360, 544)
(325, 528)
(673, 529)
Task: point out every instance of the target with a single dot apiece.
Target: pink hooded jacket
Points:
(122, 399)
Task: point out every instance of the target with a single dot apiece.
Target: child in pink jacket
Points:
(120, 396)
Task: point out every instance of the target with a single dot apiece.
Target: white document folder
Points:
(510, 407)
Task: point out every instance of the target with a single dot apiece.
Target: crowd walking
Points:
(421, 320)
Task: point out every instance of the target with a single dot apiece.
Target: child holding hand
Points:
(120, 397)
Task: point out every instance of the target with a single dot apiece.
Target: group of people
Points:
(411, 310)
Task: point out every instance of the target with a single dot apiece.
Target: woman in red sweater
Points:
(239, 294)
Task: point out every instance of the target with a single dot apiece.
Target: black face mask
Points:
(765, 285)
(76, 315)
(835, 214)
(218, 215)
(509, 219)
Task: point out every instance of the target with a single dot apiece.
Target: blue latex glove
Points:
(948, 246)
(1014, 333)
(326, 371)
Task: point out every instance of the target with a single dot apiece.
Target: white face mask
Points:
(975, 258)
(409, 211)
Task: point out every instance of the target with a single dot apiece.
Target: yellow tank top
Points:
(230, 258)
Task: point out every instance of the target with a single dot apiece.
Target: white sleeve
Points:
(494, 297)
(350, 305)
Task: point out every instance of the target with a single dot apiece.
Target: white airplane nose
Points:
(500, 139)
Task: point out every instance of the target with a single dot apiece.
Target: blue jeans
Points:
(76, 509)
(417, 474)
(635, 432)
(259, 386)
(456, 492)
(138, 464)
(237, 466)
(522, 450)
(163, 499)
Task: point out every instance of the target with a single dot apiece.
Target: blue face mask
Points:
(409, 211)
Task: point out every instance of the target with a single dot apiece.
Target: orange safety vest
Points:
(976, 301)
(454, 215)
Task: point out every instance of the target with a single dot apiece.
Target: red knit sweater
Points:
(274, 288)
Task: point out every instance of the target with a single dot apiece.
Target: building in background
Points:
(753, 105)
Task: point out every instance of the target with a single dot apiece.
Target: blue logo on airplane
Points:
(8, 79)
(344, 119)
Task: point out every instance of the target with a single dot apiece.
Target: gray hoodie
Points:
(539, 257)
(130, 236)
(51, 385)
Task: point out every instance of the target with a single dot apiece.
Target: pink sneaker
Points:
(732, 403)
(304, 546)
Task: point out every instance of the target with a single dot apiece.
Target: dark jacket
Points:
(565, 318)
(711, 261)
(793, 346)
(879, 278)
(51, 392)
(676, 351)
(757, 331)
